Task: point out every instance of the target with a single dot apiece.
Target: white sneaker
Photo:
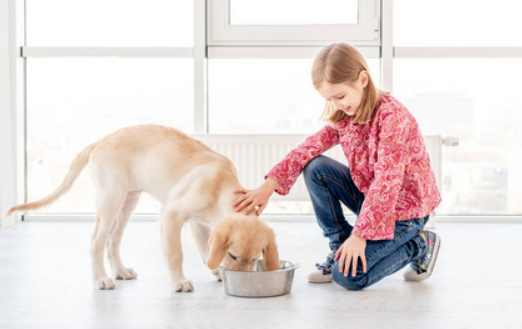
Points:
(318, 276)
(323, 273)
(422, 268)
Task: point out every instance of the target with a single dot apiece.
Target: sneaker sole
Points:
(325, 279)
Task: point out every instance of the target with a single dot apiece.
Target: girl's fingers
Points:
(241, 205)
(363, 258)
(354, 266)
(239, 200)
(347, 264)
(250, 208)
(260, 210)
(240, 191)
(337, 254)
(342, 261)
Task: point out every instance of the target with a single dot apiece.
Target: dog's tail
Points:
(75, 169)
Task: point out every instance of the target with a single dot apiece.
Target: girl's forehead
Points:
(329, 90)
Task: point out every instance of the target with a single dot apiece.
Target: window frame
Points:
(222, 33)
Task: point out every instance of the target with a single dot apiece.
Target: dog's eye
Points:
(232, 256)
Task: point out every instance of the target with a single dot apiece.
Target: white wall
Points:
(9, 192)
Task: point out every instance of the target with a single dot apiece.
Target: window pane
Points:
(115, 23)
(74, 102)
(457, 23)
(478, 101)
(265, 96)
(293, 12)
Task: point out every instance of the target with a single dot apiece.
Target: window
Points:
(73, 102)
(294, 12)
(109, 23)
(97, 66)
(483, 175)
(265, 96)
(457, 23)
(292, 22)
(460, 79)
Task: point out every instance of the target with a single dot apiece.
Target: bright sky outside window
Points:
(293, 12)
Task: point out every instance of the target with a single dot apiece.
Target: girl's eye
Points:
(232, 256)
(341, 97)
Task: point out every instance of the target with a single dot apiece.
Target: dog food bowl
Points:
(260, 282)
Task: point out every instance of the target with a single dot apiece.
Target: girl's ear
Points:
(364, 78)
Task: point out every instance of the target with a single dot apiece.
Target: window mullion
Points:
(387, 46)
(200, 68)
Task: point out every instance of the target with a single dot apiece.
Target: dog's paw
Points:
(182, 286)
(105, 283)
(217, 274)
(126, 274)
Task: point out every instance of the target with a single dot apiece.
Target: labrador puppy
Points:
(192, 182)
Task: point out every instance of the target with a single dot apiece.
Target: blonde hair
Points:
(342, 63)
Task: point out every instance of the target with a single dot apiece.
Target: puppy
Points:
(192, 182)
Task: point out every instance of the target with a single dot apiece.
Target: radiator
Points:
(255, 155)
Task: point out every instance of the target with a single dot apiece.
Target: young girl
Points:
(389, 183)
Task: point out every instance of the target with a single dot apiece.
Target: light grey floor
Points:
(45, 282)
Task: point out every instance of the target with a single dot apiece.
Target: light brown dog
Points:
(191, 181)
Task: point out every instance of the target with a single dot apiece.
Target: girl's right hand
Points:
(255, 199)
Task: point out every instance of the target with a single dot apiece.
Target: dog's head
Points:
(239, 242)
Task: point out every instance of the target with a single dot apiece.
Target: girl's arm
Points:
(281, 178)
(376, 220)
(288, 170)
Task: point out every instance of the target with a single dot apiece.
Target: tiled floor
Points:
(45, 282)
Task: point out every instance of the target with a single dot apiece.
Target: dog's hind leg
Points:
(108, 206)
(119, 271)
(201, 235)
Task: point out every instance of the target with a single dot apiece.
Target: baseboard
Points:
(274, 218)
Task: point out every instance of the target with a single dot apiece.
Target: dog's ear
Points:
(219, 242)
(270, 253)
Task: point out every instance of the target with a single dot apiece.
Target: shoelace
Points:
(327, 265)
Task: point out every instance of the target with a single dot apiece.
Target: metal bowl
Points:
(260, 282)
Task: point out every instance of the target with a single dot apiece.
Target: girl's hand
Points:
(255, 199)
(349, 253)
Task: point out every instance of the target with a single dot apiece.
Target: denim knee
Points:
(313, 167)
(355, 284)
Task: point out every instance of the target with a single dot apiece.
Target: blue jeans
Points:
(329, 183)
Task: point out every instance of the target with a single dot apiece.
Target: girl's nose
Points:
(337, 106)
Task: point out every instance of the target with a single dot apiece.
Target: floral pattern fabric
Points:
(388, 161)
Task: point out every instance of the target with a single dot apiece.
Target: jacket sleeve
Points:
(288, 170)
(376, 220)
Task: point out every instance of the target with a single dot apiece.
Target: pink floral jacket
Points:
(388, 161)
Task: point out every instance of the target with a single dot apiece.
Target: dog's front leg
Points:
(171, 226)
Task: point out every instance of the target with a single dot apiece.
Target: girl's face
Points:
(346, 97)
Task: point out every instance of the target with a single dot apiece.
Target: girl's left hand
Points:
(350, 251)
